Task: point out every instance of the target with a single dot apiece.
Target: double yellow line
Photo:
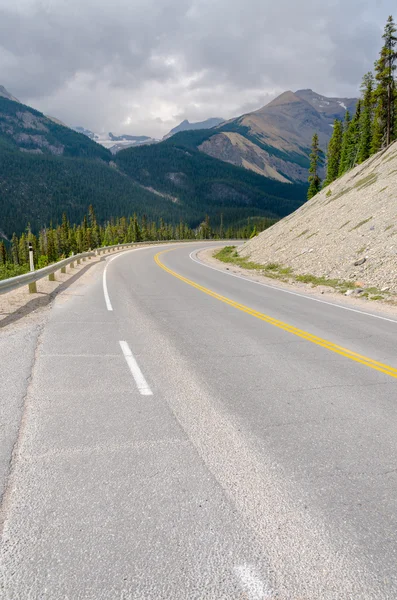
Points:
(359, 358)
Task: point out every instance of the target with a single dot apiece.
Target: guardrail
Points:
(30, 279)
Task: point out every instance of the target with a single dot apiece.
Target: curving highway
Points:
(189, 434)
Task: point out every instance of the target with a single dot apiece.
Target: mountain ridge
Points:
(275, 139)
(47, 169)
(188, 126)
(6, 94)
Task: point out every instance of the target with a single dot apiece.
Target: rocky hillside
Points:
(28, 130)
(275, 140)
(347, 232)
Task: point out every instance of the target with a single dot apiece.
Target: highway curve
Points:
(188, 434)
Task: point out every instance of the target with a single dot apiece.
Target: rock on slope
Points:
(354, 220)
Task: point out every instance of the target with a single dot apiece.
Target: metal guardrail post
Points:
(32, 286)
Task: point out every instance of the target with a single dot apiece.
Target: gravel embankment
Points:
(347, 232)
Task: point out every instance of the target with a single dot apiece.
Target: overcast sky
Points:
(142, 66)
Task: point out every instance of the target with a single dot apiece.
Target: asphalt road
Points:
(187, 434)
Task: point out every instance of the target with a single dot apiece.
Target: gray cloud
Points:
(140, 66)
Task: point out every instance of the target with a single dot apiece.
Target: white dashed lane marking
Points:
(141, 383)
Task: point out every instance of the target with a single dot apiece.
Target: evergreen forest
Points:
(53, 243)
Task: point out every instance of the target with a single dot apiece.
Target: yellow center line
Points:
(364, 360)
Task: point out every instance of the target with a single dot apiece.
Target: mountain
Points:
(330, 108)
(346, 233)
(274, 141)
(90, 134)
(27, 130)
(47, 169)
(187, 126)
(6, 94)
(115, 143)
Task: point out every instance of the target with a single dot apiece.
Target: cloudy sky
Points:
(142, 66)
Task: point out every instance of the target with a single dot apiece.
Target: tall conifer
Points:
(345, 143)
(385, 92)
(367, 110)
(316, 161)
(334, 153)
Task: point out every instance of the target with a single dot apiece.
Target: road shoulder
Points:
(320, 292)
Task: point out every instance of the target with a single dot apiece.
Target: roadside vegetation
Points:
(230, 256)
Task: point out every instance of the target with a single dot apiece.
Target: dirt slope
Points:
(354, 220)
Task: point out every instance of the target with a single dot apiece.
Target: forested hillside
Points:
(202, 183)
(38, 189)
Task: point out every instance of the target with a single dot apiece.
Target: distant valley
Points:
(273, 141)
(115, 143)
(47, 168)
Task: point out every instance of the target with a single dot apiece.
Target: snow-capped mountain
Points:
(329, 108)
(116, 142)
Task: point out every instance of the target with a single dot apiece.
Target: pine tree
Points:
(254, 232)
(43, 242)
(334, 153)
(221, 229)
(51, 246)
(73, 240)
(205, 232)
(316, 161)
(345, 144)
(3, 253)
(367, 110)
(353, 140)
(23, 251)
(14, 249)
(385, 92)
(137, 230)
(64, 236)
(95, 233)
(144, 229)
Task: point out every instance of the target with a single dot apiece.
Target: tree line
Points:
(372, 127)
(55, 243)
